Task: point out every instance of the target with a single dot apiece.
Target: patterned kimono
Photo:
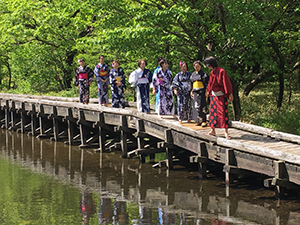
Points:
(199, 82)
(141, 79)
(165, 102)
(117, 93)
(219, 89)
(182, 84)
(83, 76)
(102, 73)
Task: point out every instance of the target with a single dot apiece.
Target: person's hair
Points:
(159, 59)
(182, 63)
(140, 61)
(197, 62)
(101, 56)
(115, 61)
(80, 60)
(211, 61)
(163, 61)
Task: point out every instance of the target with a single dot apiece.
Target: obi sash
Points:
(102, 73)
(83, 76)
(217, 93)
(118, 78)
(198, 84)
(143, 80)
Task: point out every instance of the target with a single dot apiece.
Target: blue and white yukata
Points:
(84, 75)
(154, 79)
(165, 103)
(182, 84)
(117, 92)
(102, 77)
(141, 79)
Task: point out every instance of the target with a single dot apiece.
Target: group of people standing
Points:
(185, 85)
(104, 77)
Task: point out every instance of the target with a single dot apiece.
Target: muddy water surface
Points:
(44, 182)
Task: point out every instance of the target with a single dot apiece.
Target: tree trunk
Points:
(236, 100)
(9, 74)
(281, 90)
(256, 81)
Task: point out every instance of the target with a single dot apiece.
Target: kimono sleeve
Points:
(133, 78)
(90, 74)
(226, 84)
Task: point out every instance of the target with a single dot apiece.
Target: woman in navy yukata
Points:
(162, 83)
(199, 81)
(83, 79)
(141, 78)
(117, 82)
(101, 72)
(182, 87)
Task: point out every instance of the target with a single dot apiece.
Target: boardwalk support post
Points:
(24, 119)
(34, 120)
(102, 132)
(230, 161)
(202, 159)
(7, 114)
(169, 150)
(71, 127)
(123, 121)
(140, 138)
(45, 127)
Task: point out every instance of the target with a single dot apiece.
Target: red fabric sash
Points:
(83, 76)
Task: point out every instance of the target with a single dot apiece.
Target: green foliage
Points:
(42, 40)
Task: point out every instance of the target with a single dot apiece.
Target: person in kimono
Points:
(101, 72)
(83, 78)
(154, 79)
(220, 90)
(117, 82)
(182, 87)
(141, 78)
(199, 81)
(163, 85)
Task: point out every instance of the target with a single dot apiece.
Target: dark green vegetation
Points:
(255, 41)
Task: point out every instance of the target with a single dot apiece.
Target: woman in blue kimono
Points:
(153, 85)
(141, 78)
(163, 85)
(117, 82)
(182, 87)
(83, 79)
(101, 72)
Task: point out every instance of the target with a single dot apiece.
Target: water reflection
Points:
(121, 191)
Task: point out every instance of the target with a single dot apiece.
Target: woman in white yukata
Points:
(141, 78)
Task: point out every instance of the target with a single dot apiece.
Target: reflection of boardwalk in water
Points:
(122, 183)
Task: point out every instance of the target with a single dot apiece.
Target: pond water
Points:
(45, 182)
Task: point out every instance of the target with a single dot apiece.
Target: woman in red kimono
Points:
(219, 89)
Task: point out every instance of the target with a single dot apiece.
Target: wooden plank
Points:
(268, 152)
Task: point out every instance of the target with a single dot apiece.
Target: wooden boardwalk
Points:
(252, 149)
